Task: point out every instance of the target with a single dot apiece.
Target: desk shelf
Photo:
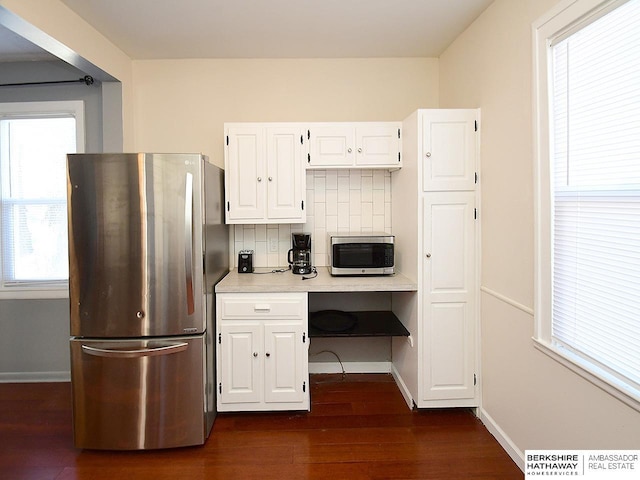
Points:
(363, 324)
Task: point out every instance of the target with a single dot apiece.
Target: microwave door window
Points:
(350, 255)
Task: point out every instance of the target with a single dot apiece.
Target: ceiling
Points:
(152, 29)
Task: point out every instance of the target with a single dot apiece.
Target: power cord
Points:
(314, 272)
(336, 355)
(275, 270)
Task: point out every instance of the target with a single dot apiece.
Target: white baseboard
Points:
(34, 377)
(402, 387)
(350, 367)
(503, 439)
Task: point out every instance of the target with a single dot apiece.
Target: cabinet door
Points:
(331, 146)
(241, 365)
(449, 309)
(286, 179)
(378, 145)
(245, 174)
(284, 362)
(449, 150)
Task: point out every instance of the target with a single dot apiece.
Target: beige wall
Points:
(534, 400)
(181, 105)
(54, 19)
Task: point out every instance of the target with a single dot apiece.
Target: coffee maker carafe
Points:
(300, 255)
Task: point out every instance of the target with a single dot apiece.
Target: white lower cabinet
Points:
(449, 295)
(262, 355)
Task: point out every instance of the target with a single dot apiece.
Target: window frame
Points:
(566, 18)
(43, 109)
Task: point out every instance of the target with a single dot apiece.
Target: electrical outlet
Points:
(273, 245)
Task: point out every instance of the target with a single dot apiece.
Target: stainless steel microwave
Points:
(361, 254)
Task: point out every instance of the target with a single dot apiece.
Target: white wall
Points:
(536, 402)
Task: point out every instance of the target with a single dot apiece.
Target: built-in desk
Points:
(366, 323)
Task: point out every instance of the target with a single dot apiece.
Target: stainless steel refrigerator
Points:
(147, 244)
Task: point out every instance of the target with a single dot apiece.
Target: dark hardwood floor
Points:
(359, 428)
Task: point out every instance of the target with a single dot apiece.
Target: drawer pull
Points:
(262, 307)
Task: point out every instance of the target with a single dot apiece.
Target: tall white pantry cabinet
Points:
(435, 221)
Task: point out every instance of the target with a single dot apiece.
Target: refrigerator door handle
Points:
(162, 349)
(188, 241)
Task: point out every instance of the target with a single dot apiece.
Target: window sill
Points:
(607, 382)
(33, 294)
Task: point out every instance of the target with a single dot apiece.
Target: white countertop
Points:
(264, 281)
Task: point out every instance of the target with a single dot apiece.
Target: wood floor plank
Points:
(359, 428)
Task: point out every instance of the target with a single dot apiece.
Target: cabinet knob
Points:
(259, 179)
(428, 255)
(255, 354)
(428, 154)
(359, 150)
(270, 179)
(349, 150)
(268, 354)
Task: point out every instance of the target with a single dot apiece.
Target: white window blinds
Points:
(595, 105)
(33, 218)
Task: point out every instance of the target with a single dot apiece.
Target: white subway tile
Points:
(355, 223)
(355, 202)
(331, 204)
(378, 202)
(261, 233)
(367, 189)
(343, 189)
(354, 179)
(332, 180)
(320, 216)
(343, 217)
(378, 180)
(319, 188)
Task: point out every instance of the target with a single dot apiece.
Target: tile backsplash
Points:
(337, 201)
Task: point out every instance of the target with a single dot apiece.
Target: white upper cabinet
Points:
(449, 145)
(264, 173)
(354, 145)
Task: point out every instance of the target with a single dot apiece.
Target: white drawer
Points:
(262, 305)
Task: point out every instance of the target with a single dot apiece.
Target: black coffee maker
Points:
(300, 255)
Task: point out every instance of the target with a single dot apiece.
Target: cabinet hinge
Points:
(476, 178)
(227, 140)
(228, 206)
(398, 156)
(475, 380)
(220, 388)
(304, 387)
(398, 133)
(219, 338)
(475, 213)
(302, 204)
(304, 337)
(308, 158)
(301, 140)
(475, 125)
(308, 134)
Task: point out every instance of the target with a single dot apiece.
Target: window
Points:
(34, 140)
(588, 185)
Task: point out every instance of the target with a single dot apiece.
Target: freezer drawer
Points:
(139, 394)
